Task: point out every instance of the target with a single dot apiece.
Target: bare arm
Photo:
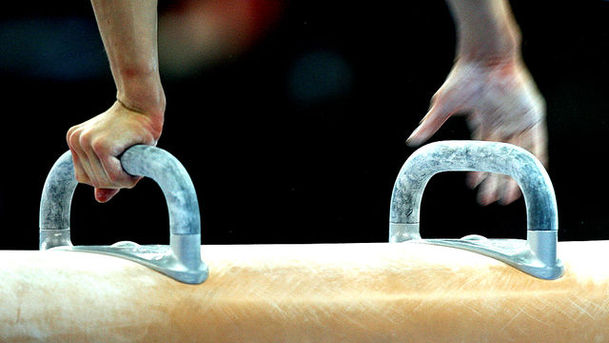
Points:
(489, 84)
(486, 29)
(129, 32)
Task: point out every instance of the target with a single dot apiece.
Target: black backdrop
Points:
(274, 164)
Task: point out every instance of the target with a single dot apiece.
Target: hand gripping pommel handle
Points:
(537, 255)
(180, 260)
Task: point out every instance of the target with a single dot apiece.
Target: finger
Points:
(102, 180)
(82, 169)
(79, 173)
(496, 187)
(474, 179)
(96, 172)
(115, 172)
(487, 193)
(535, 141)
(103, 195)
(510, 192)
(441, 109)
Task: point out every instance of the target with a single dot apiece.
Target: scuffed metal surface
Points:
(492, 157)
(537, 255)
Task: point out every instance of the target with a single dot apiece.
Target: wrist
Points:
(493, 51)
(141, 92)
(489, 32)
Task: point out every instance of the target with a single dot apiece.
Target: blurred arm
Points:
(486, 30)
(492, 87)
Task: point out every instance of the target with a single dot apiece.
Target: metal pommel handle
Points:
(522, 166)
(181, 260)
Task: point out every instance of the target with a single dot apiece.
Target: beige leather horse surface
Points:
(377, 292)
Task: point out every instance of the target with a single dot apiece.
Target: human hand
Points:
(97, 143)
(502, 104)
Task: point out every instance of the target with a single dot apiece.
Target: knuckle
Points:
(72, 137)
(73, 129)
(99, 147)
(81, 140)
(85, 138)
(69, 134)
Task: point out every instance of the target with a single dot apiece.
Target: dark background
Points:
(299, 138)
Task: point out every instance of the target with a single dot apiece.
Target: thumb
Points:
(439, 112)
(104, 194)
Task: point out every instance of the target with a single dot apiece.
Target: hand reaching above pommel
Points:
(489, 84)
(502, 104)
(97, 143)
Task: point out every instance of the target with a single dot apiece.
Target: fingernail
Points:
(104, 195)
(101, 199)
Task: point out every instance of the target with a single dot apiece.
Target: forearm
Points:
(486, 30)
(129, 32)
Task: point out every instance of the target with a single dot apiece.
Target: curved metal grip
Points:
(181, 260)
(494, 157)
